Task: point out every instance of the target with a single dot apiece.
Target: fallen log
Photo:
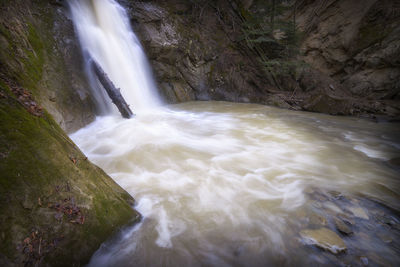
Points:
(113, 92)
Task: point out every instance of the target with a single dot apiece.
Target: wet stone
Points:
(316, 219)
(336, 194)
(347, 219)
(359, 212)
(342, 227)
(363, 237)
(395, 162)
(364, 261)
(332, 207)
(385, 238)
(389, 220)
(325, 239)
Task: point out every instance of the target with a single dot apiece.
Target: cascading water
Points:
(223, 184)
(105, 35)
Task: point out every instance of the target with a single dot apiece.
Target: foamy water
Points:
(223, 184)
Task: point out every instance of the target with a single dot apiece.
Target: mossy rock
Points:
(45, 177)
(56, 207)
(41, 53)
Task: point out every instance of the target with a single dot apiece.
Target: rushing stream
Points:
(223, 184)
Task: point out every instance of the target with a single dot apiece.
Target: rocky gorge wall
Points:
(194, 53)
(357, 44)
(349, 55)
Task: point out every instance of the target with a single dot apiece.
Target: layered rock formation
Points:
(357, 44)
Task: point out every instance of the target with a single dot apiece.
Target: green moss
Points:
(35, 160)
(35, 62)
(35, 153)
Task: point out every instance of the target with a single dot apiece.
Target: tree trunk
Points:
(113, 92)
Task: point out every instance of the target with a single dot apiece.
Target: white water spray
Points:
(106, 36)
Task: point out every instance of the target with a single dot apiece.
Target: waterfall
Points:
(106, 36)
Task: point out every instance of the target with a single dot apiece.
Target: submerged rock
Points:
(342, 227)
(395, 162)
(386, 238)
(317, 219)
(364, 261)
(347, 219)
(359, 212)
(325, 239)
(332, 207)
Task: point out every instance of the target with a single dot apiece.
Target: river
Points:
(224, 184)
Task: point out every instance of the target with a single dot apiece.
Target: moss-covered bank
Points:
(56, 207)
(39, 50)
(43, 177)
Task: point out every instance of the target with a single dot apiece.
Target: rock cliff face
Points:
(194, 51)
(350, 50)
(56, 208)
(357, 44)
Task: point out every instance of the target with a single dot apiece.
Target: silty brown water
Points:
(223, 184)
